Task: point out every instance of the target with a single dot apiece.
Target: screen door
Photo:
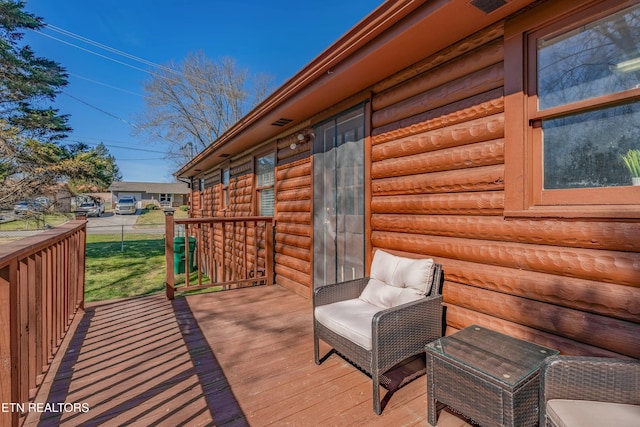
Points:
(338, 199)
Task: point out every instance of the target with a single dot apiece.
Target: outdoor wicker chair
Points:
(378, 322)
(589, 391)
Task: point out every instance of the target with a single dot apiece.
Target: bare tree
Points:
(192, 103)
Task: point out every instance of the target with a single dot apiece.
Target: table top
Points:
(506, 359)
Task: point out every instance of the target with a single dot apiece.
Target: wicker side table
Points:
(490, 377)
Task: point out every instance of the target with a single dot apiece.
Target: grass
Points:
(115, 273)
(138, 270)
(155, 217)
(30, 223)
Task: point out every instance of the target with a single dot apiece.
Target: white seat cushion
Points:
(583, 413)
(351, 319)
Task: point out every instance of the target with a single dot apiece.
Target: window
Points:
(226, 175)
(582, 110)
(201, 189)
(265, 179)
(166, 199)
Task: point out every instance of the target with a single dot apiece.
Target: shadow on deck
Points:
(242, 357)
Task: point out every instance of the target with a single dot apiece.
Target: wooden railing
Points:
(41, 288)
(223, 252)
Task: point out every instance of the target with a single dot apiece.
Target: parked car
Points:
(42, 202)
(92, 208)
(23, 207)
(126, 205)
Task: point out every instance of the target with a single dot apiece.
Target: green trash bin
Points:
(179, 254)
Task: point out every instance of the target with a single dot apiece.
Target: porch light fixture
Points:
(629, 66)
(301, 138)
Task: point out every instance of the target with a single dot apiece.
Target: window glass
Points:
(585, 150)
(226, 175)
(597, 59)
(265, 177)
(267, 202)
(338, 198)
(265, 168)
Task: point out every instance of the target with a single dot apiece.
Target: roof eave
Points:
(372, 50)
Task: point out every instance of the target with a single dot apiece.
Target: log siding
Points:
(438, 182)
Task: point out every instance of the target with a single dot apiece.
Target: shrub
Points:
(151, 207)
(632, 162)
(184, 208)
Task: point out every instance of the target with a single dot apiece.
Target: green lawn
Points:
(113, 273)
(138, 270)
(31, 223)
(154, 217)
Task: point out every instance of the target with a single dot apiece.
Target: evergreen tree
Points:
(27, 81)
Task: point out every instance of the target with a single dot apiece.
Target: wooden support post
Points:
(168, 251)
(9, 351)
(269, 255)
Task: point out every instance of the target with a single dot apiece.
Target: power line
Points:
(92, 52)
(101, 110)
(105, 140)
(110, 49)
(105, 85)
(126, 55)
(116, 146)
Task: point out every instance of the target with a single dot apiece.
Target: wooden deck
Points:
(241, 357)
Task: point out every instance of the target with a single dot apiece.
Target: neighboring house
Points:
(162, 194)
(486, 134)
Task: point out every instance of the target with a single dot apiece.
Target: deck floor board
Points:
(234, 358)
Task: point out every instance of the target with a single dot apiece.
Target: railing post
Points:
(269, 253)
(9, 351)
(168, 250)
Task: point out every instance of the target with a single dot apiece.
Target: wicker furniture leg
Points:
(432, 417)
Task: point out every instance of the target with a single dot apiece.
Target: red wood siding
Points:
(438, 189)
(293, 215)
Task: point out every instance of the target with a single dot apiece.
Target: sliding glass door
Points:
(338, 199)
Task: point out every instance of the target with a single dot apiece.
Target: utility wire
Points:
(110, 49)
(115, 146)
(166, 69)
(126, 55)
(92, 52)
(101, 110)
(106, 85)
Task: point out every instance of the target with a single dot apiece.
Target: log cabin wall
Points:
(438, 162)
(241, 183)
(293, 213)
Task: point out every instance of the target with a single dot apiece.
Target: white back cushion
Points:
(397, 280)
(380, 294)
(407, 295)
(383, 266)
(416, 274)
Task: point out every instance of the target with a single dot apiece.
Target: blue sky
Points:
(274, 37)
